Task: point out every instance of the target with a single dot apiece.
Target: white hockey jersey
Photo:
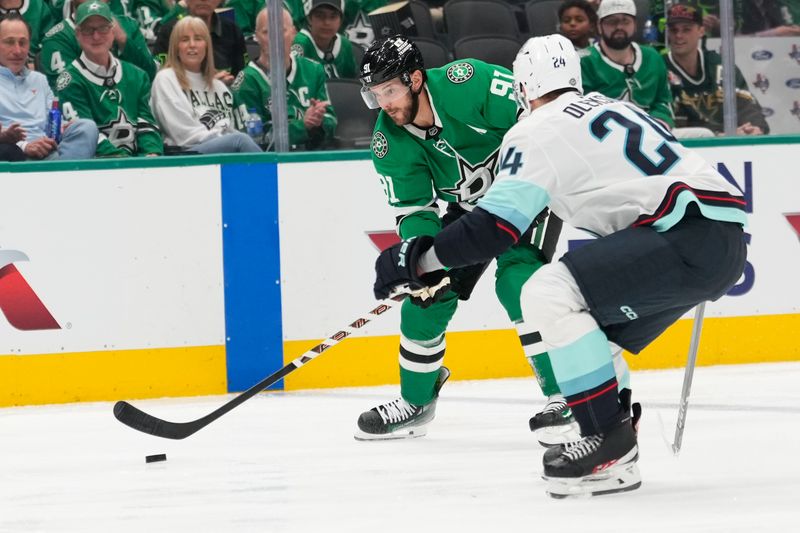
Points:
(603, 165)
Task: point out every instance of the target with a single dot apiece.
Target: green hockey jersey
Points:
(149, 14)
(118, 104)
(356, 23)
(60, 47)
(643, 83)
(305, 80)
(39, 16)
(698, 99)
(454, 160)
(339, 62)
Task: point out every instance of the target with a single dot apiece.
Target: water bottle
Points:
(54, 122)
(255, 128)
(650, 32)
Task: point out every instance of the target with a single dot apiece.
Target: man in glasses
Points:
(60, 47)
(618, 67)
(113, 93)
(437, 138)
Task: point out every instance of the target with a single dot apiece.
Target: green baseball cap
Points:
(91, 9)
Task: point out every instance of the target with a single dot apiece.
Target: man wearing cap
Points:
(322, 42)
(619, 68)
(695, 77)
(227, 39)
(60, 46)
(27, 99)
(112, 92)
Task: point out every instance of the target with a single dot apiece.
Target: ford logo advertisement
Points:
(762, 55)
(793, 83)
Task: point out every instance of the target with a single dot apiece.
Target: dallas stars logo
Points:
(360, 31)
(380, 146)
(121, 132)
(475, 180)
(460, 72)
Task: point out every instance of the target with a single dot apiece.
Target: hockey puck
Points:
(155, 458)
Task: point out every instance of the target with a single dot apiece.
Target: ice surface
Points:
(288, 462)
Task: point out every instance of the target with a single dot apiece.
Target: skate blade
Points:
(409, 433)
(624, 478)
(552, 436)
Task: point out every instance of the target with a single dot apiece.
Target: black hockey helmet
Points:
(390, 58)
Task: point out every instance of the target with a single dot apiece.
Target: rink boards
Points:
(135, 279)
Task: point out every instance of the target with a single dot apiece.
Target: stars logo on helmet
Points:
(460, 72)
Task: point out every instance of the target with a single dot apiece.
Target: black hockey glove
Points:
(396, 272)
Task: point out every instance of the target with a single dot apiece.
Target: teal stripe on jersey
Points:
(583, 364)
(686, 197)
(516, 201)
(587, 381)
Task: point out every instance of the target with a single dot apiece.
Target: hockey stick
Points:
(688, 374)
(139, 420)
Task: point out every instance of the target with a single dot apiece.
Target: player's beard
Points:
(409, 113)
(618, 40)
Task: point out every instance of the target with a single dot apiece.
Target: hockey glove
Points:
(396, 272)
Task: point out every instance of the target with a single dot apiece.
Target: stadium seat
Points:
(422, 19)
(495, 49)
(358, 54)
(542, 16)
(434, 53)
(465, 18)
(355, 120)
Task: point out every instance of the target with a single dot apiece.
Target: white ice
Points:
(288, 462)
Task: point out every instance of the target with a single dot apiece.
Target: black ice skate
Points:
(555, 424)
(595, 465)
(399, 419)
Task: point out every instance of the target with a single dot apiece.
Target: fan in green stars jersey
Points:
(112, 92)
(438, 138)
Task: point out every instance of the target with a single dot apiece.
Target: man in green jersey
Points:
(38, 15)
(60, 46)
(312, 120)
(438, 138)
(321, 40)
(113, 93)
(695, 76)
(619, 68)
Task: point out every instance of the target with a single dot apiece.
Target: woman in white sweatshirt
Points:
(195, 111)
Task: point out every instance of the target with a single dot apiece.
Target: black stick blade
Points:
(139, 420)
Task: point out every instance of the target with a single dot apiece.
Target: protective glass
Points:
(384, 94)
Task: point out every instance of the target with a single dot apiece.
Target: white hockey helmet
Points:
(545, 64)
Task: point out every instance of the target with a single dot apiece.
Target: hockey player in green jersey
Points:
(321, 40)
(619, 68)
(60, 46)
(312, 120)
(109, 91)
(437, 138)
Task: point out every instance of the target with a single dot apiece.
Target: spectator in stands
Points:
(37, 14)
(761, 18)
(60, 46)
(577, 22)
(696, 78)
(110, 91)
(619, 68)
(27, 99)
(312, 120)
(194, 110)
(230, 51)
(322, 42)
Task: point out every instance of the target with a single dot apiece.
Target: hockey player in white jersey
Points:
(669, 231)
